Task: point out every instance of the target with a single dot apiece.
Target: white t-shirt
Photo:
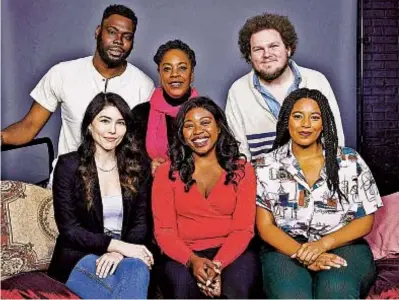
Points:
(75, 83)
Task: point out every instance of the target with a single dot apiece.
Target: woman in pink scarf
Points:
(154, 119)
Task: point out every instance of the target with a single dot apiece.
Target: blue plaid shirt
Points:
(270, 100)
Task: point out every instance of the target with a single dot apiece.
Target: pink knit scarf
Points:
(157, 138)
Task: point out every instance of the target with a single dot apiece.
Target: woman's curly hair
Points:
(328, 136)
(227, 147)
(175, 44)
(130, 159)
(266, 21)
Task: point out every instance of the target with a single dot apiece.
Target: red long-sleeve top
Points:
(184, 222)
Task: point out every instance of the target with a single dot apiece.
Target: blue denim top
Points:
(270, 100)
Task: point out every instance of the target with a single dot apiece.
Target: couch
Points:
(28, 233)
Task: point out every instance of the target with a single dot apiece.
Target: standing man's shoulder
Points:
(47, 92)
(141, 82)
(241, 83)
(311, 74)
(67, 70)
(314, 79)
(75, 65)
(139, 75)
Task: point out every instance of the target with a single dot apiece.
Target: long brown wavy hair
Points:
(130, 160)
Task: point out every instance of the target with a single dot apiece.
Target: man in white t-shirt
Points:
(73, 84)
(268, 42)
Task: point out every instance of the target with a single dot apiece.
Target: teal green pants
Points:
(284, 277)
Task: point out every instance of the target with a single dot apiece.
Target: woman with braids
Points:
(153, 120)
(315, 202)
(203, 204)
(100, 205)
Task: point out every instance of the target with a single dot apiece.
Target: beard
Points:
(271, 76)
(109, 61)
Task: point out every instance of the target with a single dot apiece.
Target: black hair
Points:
(227, 147)
(118, 9)
(328, 135)
(175, 44)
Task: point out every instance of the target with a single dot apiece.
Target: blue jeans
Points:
(129, 281)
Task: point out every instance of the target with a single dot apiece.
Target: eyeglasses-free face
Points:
(269, 55)
(108, 129)
(305, 123)
(200, 131)
(175, 73)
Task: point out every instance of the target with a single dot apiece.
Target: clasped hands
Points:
(208, 275)
(314, 256)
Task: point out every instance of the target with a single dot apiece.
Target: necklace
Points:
(106, 171)
(122, 69)
(113, 76)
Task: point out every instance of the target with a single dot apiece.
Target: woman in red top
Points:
(203, 205)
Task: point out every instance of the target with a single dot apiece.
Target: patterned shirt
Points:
(312, 212)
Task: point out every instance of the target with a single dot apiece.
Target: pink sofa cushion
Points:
(384, 238)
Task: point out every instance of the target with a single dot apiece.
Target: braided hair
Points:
(227, 147)
(328, 136)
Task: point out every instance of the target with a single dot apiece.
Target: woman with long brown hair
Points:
(100, 204)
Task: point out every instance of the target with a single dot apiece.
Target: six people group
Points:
(263, 200)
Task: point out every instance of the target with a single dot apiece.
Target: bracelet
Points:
(218, 264)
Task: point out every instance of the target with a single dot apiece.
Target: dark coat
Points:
(141, 114)
(81, 231)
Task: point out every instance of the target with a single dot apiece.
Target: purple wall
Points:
(36, 34)
(380, 121)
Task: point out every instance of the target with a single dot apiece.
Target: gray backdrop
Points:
(36, 34)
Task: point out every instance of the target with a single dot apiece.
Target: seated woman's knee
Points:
(88, 262)
(336, 288)
(281, 291)
(236, 291)
(139, 267)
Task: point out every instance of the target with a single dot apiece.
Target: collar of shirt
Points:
(297, 76)
(288, 161)
(271, 101)
(111, 84)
